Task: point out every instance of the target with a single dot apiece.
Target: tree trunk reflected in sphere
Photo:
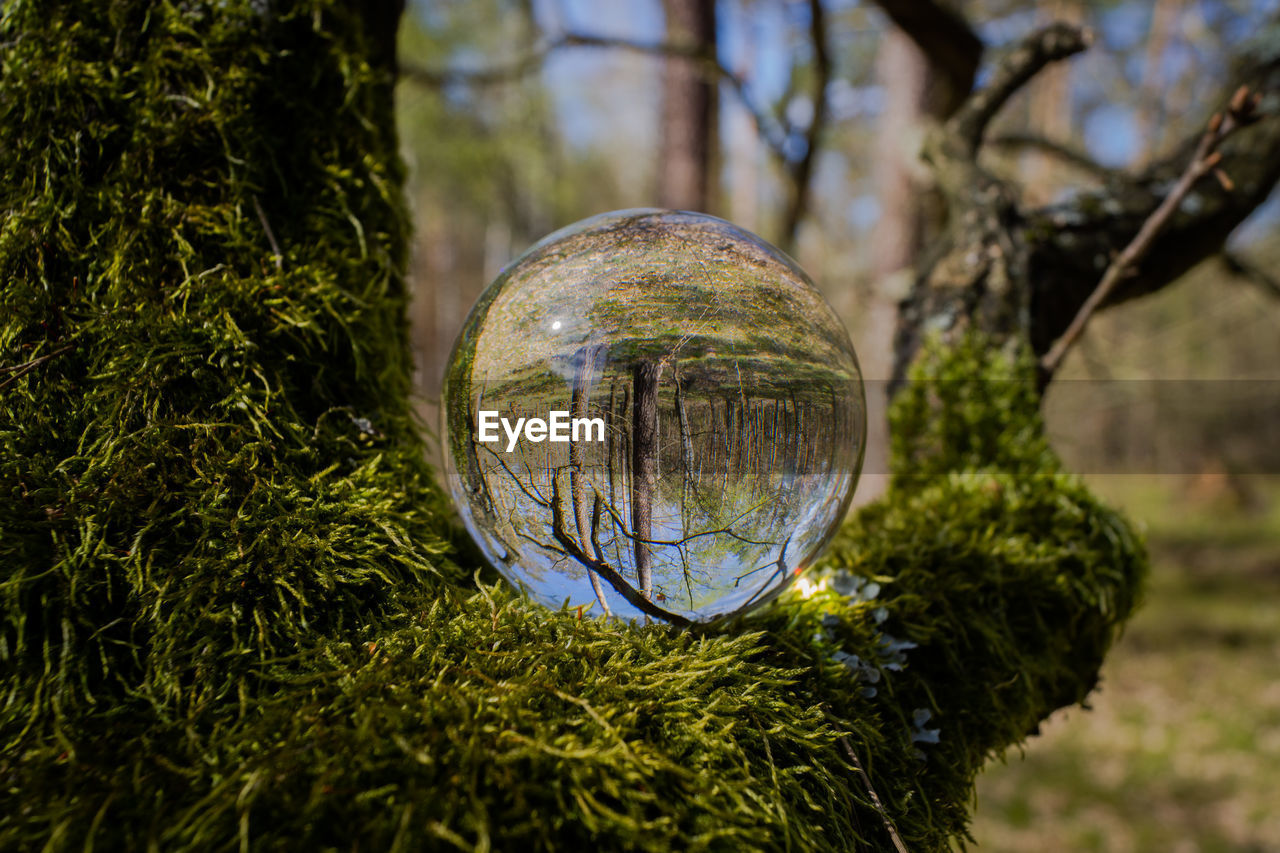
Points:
(732, 412)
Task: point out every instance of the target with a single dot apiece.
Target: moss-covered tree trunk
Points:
(234, 611)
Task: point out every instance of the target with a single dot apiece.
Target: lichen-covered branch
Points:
(1070, 245)
(1019, 274)
(1240, 113)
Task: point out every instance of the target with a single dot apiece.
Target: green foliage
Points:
(231, 606)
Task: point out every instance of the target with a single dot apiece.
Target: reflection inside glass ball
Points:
(653, 413)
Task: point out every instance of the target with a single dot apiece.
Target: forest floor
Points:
(1181, 750)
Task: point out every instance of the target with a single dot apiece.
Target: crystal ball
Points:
(653, 414)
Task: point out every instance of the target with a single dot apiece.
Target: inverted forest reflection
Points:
(723, 467)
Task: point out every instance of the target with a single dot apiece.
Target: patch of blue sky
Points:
(1112, 135)
(1003, 29)
(755, 46)
(1124, 25)
(609, 18)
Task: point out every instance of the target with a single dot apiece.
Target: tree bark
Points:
(686, 452)
(583, 376)
(926, 65)
(945, 38)
(688, 108)
(644, 467)
(1010, 271)
(802, 169)
(382, 23)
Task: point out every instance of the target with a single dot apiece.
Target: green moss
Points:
(968, 407)
(234, 610)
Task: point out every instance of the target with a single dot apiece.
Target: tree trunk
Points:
(644, 467)
(918, 92)
(612, 425)
(688, 108)
(583, 376)
(686, 452)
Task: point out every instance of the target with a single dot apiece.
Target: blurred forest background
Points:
(521, 116)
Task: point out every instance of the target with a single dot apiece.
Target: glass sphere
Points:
(653, 413)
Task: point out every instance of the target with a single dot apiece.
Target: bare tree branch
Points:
(601, 567)
(802, 171)
(1014, 272)
(1240, 112)
(944, 36)
(1055, 42)
(723, 531)
(1086, 232)
(771, 130)
(506, 72)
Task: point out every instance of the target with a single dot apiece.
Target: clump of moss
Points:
(217, 460)
(966, 407)
(234, 609)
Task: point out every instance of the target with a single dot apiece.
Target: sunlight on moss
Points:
(235, 609)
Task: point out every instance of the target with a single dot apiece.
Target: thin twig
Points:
(602, 568)
(802, 171)
(782, 572)
(20, 370)
(724, 531)
(27, 365)
(769, 127)
(875, 798)
(1241, 111)
(271, 237)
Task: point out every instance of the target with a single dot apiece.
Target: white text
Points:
(558, 427)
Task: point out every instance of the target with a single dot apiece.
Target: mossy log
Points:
(236, 611)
